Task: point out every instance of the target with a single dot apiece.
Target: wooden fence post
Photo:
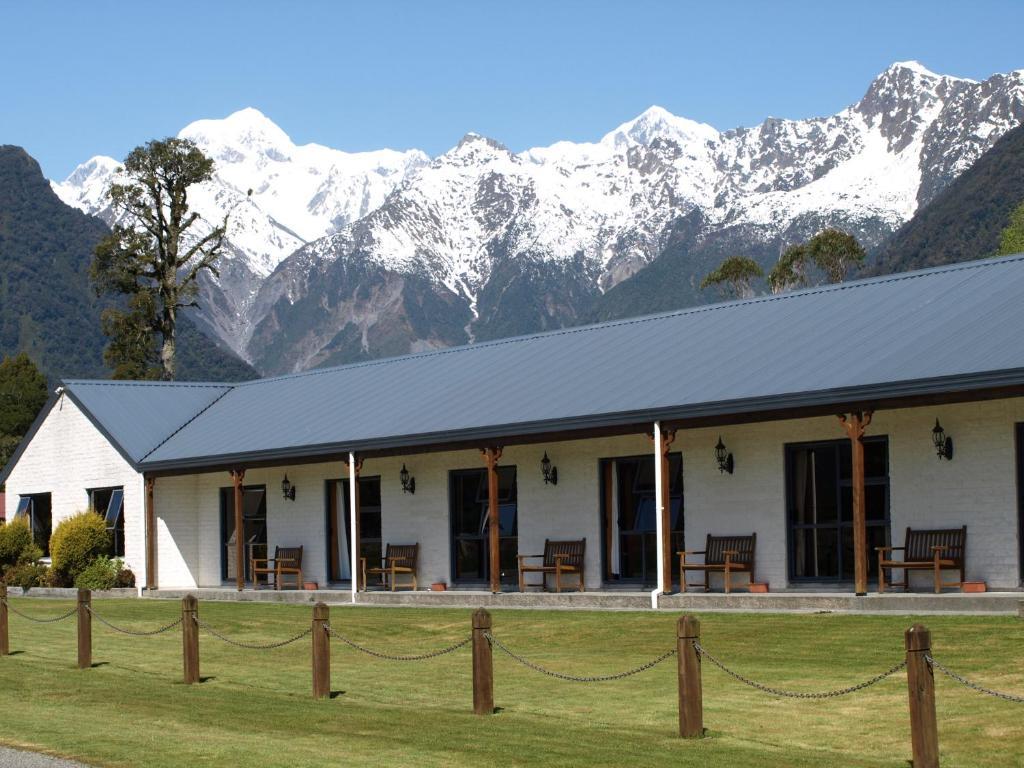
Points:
(483, 664)
(924, 733)
(190, 637)
(691, 703)
(321, 652)
(5, 647)
(84, 629)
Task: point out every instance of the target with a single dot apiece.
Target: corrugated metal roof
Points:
(138, 416)
(927, 331)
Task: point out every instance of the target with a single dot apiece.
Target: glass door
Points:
(339, 527)
(632, 524)
(1020, 497)
(254, 529)
(470, 529)
(820, 502)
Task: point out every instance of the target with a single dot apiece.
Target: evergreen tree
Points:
(22, 394)
(834, 252)
(156, 254)
(1011, 240)
(734, 277)
(790, 271)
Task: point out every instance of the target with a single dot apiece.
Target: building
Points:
(657, 431)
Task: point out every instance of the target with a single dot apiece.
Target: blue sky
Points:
(78, 79)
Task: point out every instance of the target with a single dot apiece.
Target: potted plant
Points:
(438, 586)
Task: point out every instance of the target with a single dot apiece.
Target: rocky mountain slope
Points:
(393, 252)
(47, 305)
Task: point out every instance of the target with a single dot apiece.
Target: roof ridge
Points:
(717, 306)
(134, 383)
(194, 416)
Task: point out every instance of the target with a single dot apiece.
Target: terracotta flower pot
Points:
(759, 587)
(974, 586)
(311, 585)
(438, 586)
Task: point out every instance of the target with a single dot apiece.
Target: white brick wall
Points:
(66, 457)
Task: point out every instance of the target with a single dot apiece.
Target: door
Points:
(254, 525)
(1020, 497)
(630, 517)
(470, 524)
(820, 507)
(339, 525)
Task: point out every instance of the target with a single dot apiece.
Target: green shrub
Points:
(101, 573)
(76, 542)
(15, 538)
(26, 575)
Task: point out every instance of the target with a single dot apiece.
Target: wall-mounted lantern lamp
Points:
(723, 457)
(550, 473)
(943, 445)
(408, 482)
(287, 489)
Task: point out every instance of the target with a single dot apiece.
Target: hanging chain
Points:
(393, 657)
(974, 686)
(134, 632)
(254, 646)
(574, 678)
(800, 694)
(36, 619)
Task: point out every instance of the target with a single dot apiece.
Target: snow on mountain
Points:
(531, 240)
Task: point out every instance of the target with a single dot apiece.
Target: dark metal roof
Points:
(932, 331)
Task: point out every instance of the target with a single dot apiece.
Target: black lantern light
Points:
(723, 457)
(287, 489)
(550, 473)
(408, 483)
(943, 445)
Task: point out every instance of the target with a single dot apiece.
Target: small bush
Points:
(15, 539)
(101, 573)
(125, 578)
(26, 575)
(76, 542)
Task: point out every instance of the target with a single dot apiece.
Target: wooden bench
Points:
(399, 560)
(559, 558)
(935, 550)
(287, 561)
(726, 554)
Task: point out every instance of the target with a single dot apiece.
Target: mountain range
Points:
(335, 257)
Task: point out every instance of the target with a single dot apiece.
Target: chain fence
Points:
(575, 678)
(38, 620)
(134, 632)
(800, 694)
(253, 646)
(974, 686)
(398, 657)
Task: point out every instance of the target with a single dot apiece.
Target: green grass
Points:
(255, 707)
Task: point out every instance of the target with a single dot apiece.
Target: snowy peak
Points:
(657, 122)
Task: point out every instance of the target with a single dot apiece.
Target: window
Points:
(109, 503)
(36, 509)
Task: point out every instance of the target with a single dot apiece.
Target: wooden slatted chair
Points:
(559, 558)
(399, 560)
(936, 550)
(725, 554)
(287, 561)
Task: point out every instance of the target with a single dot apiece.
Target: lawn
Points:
(255, 708)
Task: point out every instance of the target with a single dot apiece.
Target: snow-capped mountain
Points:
(388, 252)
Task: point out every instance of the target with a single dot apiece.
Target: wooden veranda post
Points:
(483, 664)
(151, 577)
(5, 646)
(84, 629)
(691, 703)
(237, 476)
(668, 436)
(190, 638)
(855, 424)
(491, 456)
(924, 732)
(321, 652)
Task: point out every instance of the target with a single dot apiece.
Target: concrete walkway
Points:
(17, 758)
